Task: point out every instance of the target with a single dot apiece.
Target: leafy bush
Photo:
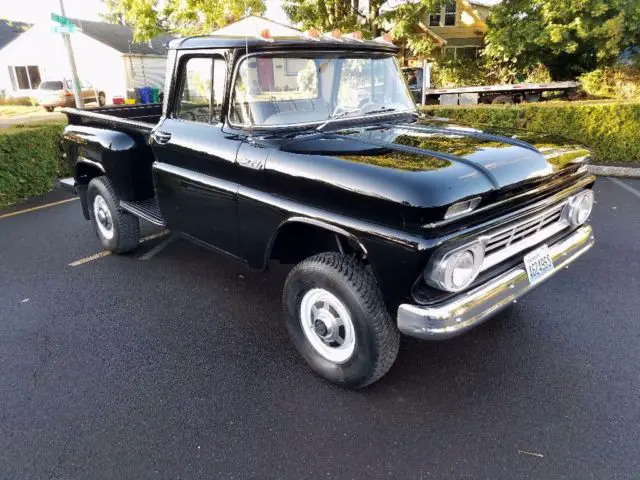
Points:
(28, 161)
(616, 82)
(459, 73)
(468, 72)
(610, 130)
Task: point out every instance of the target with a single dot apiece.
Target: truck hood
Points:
(440, 163)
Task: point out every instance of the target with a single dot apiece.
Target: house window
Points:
(24, 77)
(445, 15)
(461, 53)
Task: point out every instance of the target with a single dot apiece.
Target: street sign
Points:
(65, 29)
(61, 20)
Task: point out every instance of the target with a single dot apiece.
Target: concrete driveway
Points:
(173, 362)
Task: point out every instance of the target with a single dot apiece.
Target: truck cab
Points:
(309, 150)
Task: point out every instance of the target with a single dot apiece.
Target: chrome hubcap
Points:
(327, 325)
(103, 217)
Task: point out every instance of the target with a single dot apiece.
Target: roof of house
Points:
(120, 37)
(10, 30)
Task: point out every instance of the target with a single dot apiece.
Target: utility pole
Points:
(72, 62)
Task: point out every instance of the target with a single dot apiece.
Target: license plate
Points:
(538, 264)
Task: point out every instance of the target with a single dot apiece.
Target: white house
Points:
(105, 54)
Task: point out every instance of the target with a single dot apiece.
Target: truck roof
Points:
(276, 43)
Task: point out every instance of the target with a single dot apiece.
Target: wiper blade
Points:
(333, 116)
(380, 110)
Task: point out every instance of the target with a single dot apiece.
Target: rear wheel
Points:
(118, 231)
(49, 109)
(337, 320)
(102, 99)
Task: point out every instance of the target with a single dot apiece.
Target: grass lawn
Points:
(11, 110)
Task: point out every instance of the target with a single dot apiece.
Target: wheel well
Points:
(85, 173)
(296, 241)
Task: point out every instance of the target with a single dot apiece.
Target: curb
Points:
(606, 171)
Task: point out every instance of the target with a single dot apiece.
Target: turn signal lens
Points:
(455, 270)
(579, 208)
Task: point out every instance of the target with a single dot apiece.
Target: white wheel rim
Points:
(327, 325)
(103, 217)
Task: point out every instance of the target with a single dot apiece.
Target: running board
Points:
(146, 209)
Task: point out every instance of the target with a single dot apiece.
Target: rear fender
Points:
(94, 152)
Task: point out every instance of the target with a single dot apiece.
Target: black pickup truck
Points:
(310, 151)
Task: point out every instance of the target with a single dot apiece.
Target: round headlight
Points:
(579, 208)
(456, 270)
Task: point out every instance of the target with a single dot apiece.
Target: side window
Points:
(202, 90)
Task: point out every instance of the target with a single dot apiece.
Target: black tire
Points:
(49, 109)
(502, 100)
(102, 99)
(377, 338)
(125, 227)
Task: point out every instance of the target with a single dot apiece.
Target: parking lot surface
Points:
(175, 363)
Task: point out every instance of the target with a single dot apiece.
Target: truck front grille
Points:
(508, 241)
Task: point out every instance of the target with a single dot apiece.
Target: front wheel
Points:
(117, 231)
(337, 320)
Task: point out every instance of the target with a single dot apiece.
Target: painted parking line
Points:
(40, 207)
(106, 253)
(626, 186)
(158, 248)
(82, 261)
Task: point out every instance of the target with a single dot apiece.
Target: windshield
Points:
(303, 89)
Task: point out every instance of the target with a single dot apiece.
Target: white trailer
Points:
(417, 79)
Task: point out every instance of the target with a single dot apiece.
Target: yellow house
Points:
(458, 27)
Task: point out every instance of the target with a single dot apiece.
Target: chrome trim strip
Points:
(200, 178)
(456, 316)
(578, 185)
(93, 163)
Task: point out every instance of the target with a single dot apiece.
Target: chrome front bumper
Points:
(456, 316)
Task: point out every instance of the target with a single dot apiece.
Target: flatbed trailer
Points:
(506, 94)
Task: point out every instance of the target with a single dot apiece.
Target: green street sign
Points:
(65, 29)
(60, 19)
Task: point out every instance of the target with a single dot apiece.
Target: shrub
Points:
(28, 161)
(459, 73)
(616, 82)
(610, 130)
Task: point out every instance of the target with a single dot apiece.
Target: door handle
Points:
(161, 137)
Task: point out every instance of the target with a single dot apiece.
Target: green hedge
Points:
(28, 161)
(610, 130)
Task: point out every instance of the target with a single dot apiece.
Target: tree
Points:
(568, 37)
(398, 16)
(327, 15)
(148, 18)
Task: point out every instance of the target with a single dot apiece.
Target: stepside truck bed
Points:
(141, 118)
(113, 141)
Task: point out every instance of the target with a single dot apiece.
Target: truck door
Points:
(195, 172)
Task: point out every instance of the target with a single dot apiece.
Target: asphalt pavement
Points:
(173, 362)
